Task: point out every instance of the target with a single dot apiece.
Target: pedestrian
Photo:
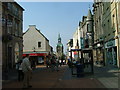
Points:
(53, 63)
(27, 70)
(20, 71)
(47, 62)
(57, 64)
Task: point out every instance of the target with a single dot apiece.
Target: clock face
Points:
(58, 48)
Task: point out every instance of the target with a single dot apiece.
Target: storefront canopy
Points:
(35, 53)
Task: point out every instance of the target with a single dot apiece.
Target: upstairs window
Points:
(88, 28)
(39, 44)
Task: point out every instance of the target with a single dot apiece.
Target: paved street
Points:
(45, 78)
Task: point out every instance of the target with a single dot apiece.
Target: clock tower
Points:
(59, 48)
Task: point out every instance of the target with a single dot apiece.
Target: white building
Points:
(35, 44)
(82, 38)
(69, 47)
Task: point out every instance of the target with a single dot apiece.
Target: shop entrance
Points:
(111, 56)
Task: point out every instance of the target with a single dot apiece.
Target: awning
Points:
(36, 54)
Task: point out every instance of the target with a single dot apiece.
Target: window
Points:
(9, 6)
(113, 21)
(39, 44)
(16, 28)
(9, 26)
(88, 27)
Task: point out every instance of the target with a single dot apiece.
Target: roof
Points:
(84, 18)
(42, 34)
(37, 30)
(19, 6)
(89, 14)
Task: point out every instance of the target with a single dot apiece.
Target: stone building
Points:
(106, 32)
(118, 33)
(85, 35)
(36, 45)
(11, 24)
(98, 33)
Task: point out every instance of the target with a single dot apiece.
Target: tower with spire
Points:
(59, 48)
(89, 22)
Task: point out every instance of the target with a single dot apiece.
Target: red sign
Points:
(36, 54)
(75, 53)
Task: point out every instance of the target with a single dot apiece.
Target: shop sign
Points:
(75, 52)
(36, 54)
(110, 44)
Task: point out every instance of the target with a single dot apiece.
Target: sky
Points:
(52, 18)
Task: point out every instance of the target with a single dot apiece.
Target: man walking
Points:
(27, 70)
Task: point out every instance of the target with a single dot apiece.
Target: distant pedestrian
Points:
(47, 62)
(57, 64)
(53, 63)
(26, 67)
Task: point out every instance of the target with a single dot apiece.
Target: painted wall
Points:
(31, 39)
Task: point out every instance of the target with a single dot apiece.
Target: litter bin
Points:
(80, 71)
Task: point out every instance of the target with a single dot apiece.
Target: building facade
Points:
(69, 47)
(98, 51)
(36, 45)
(83, 36)
(86, 31)
(118, 33)
(106, 32)
(11, 26)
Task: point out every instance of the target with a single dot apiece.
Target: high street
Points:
(45, 78)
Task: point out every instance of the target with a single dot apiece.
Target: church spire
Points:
(59, 38)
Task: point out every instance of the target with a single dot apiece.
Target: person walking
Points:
(53, 63)
(47, 62)
(57, 64)
(27, 70)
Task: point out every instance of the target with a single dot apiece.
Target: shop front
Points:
(37, 58)
(111, 52)
(99, 53)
